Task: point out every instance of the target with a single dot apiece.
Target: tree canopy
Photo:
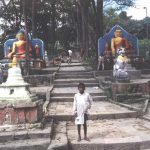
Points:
(75, 23)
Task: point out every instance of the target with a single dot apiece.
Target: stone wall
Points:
(36, 80)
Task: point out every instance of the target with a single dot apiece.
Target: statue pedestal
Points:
(39, 64)
(133, 73)
(21, 112)
(135, 86)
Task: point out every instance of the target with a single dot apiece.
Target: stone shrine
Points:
(17, 104)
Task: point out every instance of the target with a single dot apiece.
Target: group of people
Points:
(67, 55)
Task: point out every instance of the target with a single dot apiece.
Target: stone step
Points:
(64, 73)
(134, 100)
(104, 73)
(72, 94)
(117, 134)
(73, 76)
(76, 85)
(62, 111)
(65, 70)
(25, 136)
(28, 144)
(146, 71)
(70, 99)
(59, 139)
(145, 76)
(71, 65)
(62, 81)
(70, 91)
(121, 97)
(25, 132)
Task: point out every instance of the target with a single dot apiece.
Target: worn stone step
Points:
(104, 73)
(134, 100)
(121, 97)
(74, 80)
(24, 132)
(145, 76)
(95, 85)
(62, 111)
(73, 93)
(117, 134)
(73, 76)
(72, 70)
(72, 64)
(60, 139)
(70, 99)
(64, 73)
(70, 91)
(146, 71)
(28, 144)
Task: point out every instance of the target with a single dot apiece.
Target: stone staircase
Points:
(110, 126)
(25, 137)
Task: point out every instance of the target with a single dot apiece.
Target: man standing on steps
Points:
(82, 102)
(69, 56)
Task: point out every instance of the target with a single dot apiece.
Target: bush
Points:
(144, 46)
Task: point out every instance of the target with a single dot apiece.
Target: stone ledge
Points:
(21, 113)
(60, 141)
(28, 144)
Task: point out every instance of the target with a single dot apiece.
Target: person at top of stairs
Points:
(82, 102)
(69, 56)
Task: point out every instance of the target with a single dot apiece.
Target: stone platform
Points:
(21, 112)
(25, 136)
(120, 134)
(72, 90)
(135, 86)
(99, 110)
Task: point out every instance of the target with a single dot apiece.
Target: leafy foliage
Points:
(75, 23)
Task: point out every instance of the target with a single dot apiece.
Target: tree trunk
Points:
(53, 35)
(84, 15)
(99, 22)
(33, 19)
(99, 18)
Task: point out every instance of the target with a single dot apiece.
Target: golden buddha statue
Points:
(118, 41)
(19, 47)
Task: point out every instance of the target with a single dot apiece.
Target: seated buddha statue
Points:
(118, 41)
(19, 47)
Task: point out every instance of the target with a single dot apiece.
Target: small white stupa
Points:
(15, 89)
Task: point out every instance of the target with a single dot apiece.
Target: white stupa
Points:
(15, 89)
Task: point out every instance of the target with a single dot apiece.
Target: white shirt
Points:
(82, 102)
(70, 52)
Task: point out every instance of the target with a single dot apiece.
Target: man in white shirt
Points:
(69, 56)
(82, 102)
